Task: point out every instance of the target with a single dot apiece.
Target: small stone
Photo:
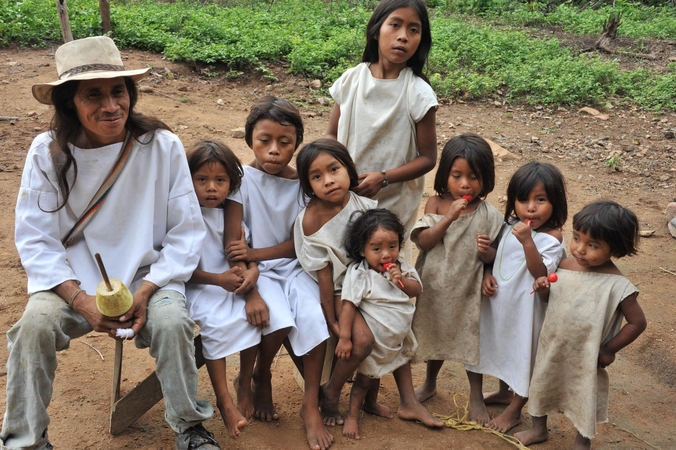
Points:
(315, 84)
(665, 177)
(220, 102)
(32, 114)
(238, 133)
(669, 134)
(322, 101)
(145, 89)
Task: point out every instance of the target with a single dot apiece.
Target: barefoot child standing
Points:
(583, 329)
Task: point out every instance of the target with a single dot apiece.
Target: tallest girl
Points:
(385, 109)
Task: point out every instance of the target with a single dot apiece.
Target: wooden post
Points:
(104, 7)
(62, 9)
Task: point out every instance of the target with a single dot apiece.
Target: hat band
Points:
(90, 68)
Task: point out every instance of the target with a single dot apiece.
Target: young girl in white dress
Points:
(451, 262)
(327, 176)
(583, 329)
(285, 302)
(385, 109)
(210, 295)
(511, 314)
(380, 285)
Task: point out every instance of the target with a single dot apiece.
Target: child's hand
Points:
(257, 312)
(395, 273)
(370, 183)
(483, 243)
(231, 279)
(344, 349)
(541, 285)
(489, 286)
(249, 279)
(239, 250)
(606, 357)
(522, 232)
(456, 208)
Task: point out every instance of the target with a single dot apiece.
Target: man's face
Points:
(103, 107)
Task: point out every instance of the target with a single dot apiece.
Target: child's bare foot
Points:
(234, 420)
(478, 412)
(329, 407)
(425, 391)
(264, 409)
(498, 397)
(532, 436)
(244, 398)
(417, 411)
(507, 420)
(317, 436)
(581, 443)
(377, 409)
(351, 427)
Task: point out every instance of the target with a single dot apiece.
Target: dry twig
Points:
(95, 349)
(667, 271)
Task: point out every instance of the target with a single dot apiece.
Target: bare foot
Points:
(317, 436)
(505, 421)
(532, 436)
(418, 412)
(581, 443)
(234, 420)
(351, 427)
(425, 391)
(244, 398)
(498, 398)
(377, 409)
(478, 412)
(329, 407)
(264, 409)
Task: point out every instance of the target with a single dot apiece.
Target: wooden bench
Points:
(124, 411)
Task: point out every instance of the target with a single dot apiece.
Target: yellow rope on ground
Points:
(460, 421)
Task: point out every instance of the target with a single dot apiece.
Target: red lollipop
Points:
(552, 277)
(467, 197)
(387, 266)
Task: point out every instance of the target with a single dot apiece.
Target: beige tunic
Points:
(583, 315)
(446, 322)
(388, 311)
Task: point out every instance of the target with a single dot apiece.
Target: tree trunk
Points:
(609, 33)
(104, 7)
(62, 10)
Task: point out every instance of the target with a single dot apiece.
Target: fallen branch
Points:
(95, 349)
(609, 33)
(8, 118)
(667, 271)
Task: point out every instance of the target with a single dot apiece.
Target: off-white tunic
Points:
(220, 314)
(378, 126)
(388, 311)
(446, 321)
(582, 316)
(327, 245)
(270, 206)
(149, 226)
(511, 320)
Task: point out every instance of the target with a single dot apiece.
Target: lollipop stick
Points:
(387, 267)
(102, 268)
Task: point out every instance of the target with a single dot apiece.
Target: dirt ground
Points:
(642, 176)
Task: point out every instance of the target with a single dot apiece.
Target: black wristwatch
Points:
(386, 181)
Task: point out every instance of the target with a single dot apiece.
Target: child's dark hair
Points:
(526, 178)
(208, 152)
(381, 13)
(309, 153)
(276, 109)
(362, 226)
(607, 221)
(479, 156)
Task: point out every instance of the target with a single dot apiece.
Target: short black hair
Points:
(362, 226)
(608, 221)
(309, 153)
(478, 154)
(276, 109)
(207, 152)
(526, 178)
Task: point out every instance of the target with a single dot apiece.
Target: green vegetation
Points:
(480, 46)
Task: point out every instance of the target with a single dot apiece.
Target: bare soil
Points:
(641, 176)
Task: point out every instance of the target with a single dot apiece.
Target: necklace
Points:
(502, 251)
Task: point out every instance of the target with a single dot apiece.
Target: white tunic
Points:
(378, 126)
(327, 245)
(270, 206)
(149, 226)
(511, 320)
(220, 314)
(388, 311)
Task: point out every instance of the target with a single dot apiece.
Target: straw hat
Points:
(86, 59)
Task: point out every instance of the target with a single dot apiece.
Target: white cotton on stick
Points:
(125, 333)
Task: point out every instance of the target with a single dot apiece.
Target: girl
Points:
(380, 285)
(210, 295)
(511, 315)
(327, 175)
(581, 333)
(385, 109)
(285, 301)
(451, 265)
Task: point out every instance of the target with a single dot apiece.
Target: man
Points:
(105, 179)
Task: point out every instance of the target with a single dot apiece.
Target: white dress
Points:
(378, 126)
(220, 314)
(270, 206)
(388, 311)
(327, 245)
(583, 315)
(511, 320)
